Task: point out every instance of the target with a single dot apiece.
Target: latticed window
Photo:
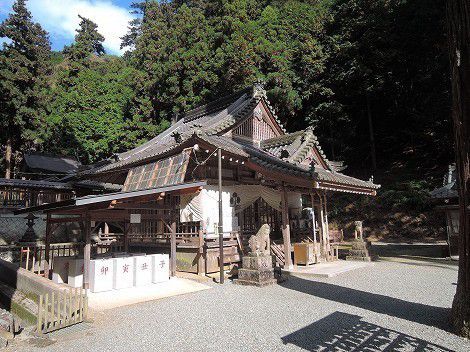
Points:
(260, 213)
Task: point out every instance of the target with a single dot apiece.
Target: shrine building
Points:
(169, 198)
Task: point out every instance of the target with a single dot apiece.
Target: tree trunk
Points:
(458, 21)
(373, 154)
(8, 154)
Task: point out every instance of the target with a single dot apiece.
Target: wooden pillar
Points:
(200, 261)
(314, 225)
(47, 249)
(86, 250)
(127, 228)
(286, 228)
(327, 230)
(322, 228)
(173, 248)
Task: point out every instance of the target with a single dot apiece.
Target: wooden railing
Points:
(61, 309)
(278, 251)
(32, 258)
(22, 198)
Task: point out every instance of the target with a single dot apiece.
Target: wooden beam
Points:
(173, 248)
(327, 230)
(63, 220)
(47, 248)
(87, 251)
(322, 227)
(313, 221)
(200, 262)
(127, 228)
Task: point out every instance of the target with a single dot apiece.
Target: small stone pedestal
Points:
(359, 251)
(257, 270)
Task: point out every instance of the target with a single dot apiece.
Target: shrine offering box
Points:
(142, 270)
(161, 267)
(75, 273)
(304, 253)
(101, 275)
(123, 272)
(60, 270)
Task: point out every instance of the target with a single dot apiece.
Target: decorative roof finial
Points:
(258, 89)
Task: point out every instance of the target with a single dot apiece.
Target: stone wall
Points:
(26, 281)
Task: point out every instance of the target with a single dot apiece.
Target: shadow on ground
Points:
(346, 332)
(429, 262)
(416, 312)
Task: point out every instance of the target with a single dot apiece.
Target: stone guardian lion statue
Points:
(259, 243)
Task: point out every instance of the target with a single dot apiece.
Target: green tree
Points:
(388, 72)
(24, 62)
(88, 42)
(97, 116)
(176, 53)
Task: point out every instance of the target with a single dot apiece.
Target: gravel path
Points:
(399, 306)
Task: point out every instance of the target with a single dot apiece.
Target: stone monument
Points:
(257, 266)
(359, 249)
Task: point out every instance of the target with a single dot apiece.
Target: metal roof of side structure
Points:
(105, 198)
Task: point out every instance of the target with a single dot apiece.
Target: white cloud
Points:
(60, 18)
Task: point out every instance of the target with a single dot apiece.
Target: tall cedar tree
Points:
(458, 19)
(24, 62)
(88, 41)
(96, 107)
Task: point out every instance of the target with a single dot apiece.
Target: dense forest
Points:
(371, 76)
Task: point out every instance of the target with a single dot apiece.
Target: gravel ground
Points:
(397, 306)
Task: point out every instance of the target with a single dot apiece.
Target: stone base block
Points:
(359, 245)
(256, 277)
(258, 284)
(362, 259)
(359, 251)
(261, 262)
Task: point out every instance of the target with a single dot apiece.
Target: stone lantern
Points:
(30, 235)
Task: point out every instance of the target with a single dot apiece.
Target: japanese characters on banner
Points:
(101, 275)
(123, 272)
(161, 267)
(142, 270)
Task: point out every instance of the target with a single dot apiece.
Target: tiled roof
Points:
(210, 119)
(51, 163)
(209, 123)
(294, 147)
(450, 188)
(270, 161)
(34, 184)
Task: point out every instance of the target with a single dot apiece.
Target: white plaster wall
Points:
(210, 209)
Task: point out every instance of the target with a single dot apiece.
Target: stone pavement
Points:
(117, 298)
(386, 306)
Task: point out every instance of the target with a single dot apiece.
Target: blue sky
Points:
(60, 19)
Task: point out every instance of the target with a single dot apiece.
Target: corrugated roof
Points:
(106, 198)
